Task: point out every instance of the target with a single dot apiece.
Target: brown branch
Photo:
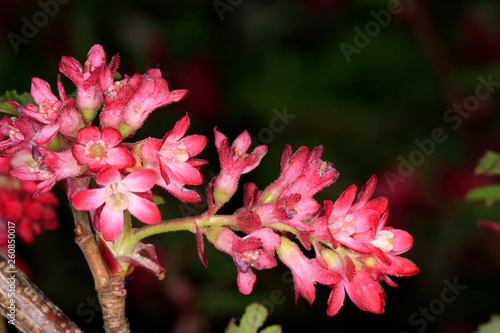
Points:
(32, 311)
(110, 290)
(112, 300)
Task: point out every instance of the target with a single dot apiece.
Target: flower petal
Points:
(145, 210)
(89, 199)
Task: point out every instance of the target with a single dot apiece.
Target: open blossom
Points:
(306, 272)
(97, 149)
(254, 250)
(117, 195)
(87, 77)
(173, 159)
(344, 219)
(289, 200)
(234, 161)
(23, 133)
(151, 93)
(51, 110)
(48, 169)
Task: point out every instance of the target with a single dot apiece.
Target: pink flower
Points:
(305, 271)
(343, 219)
(254, 250)
(98, 149)
(151, 93)
(30, 215)
(48, 169)
(50, 109)
(87, 78)
(234, 161)
(116, 96)
(23, 133)
(117, 195)
(363, 288)
(289, 200)
(173, 160)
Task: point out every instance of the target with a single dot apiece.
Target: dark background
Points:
(366, 109)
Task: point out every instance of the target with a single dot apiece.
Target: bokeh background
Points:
(246, 62)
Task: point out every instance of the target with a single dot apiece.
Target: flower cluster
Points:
(30, 215)
(353, 249)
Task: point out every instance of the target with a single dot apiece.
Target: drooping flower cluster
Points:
(60, 139)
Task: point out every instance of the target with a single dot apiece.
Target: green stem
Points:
(186, 224)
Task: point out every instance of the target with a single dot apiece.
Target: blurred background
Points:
(387, 87)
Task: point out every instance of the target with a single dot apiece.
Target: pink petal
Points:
(369, 292)
(242, 142)
(194, 143)
(143, 209)
(108, 176)
(176, 95)
(96, 56)
(89, 133)
(403, 241)
(140, 181)
(178, 131)
(47, 133)
(336, 299)
(89, 199)
(41, 92)
(120, 157)
(111, 223)
(219, 138)
(246, 281)
(111, 136)
(344, 202)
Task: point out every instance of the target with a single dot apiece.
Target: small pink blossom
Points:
(52, 110)
(344, 219)
(254, 250)
(173, 159)
(151, 93)
(87, 78)
(234, 161)
(97, 149)
(117, 195)
(49, 168)
(305, 271)
(289, 200)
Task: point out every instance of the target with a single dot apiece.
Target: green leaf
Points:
(8, 109)
(489, 164)
(254, 317)
(23, 98)
(493, 326)
(489, 194)
(158, 200)
(272, 329)
(232, 327)
(252, 320)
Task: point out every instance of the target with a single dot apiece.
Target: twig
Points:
(110, 290)
(34, 312)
